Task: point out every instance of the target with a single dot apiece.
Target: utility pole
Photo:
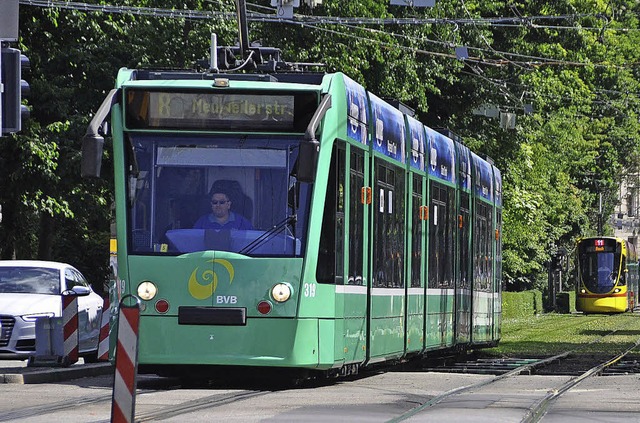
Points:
(600, 229)
(243, 28)
(12, 62)
(8, 32)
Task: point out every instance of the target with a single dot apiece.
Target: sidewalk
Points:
(16, 371)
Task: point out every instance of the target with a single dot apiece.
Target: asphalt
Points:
(13, 371)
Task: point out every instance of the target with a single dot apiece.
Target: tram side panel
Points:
(497, 284)
(463, 283)
(442, 241)
(417, 219)
(388, 229)
(483, 252)
(632, 276)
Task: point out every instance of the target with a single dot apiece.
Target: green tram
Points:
(358, 236)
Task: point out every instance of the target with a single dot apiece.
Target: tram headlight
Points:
(147, 290)
(281, 292)
(615, 291)
(583, 291)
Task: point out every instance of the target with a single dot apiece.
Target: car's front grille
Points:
(7, 323)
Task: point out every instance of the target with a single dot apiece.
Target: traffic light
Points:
(15, 89)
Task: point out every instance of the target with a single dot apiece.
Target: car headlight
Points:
(147, 290)
(34, 316)
(281, 292)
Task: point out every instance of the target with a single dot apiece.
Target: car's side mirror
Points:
(81, 290)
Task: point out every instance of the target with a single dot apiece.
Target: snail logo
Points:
(201, 291)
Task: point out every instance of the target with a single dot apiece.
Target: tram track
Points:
(550, 366)
(518, 388)
(207, 402)
(540, 407)
(45, 409)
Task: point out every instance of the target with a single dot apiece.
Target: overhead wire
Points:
(313, 22)
(200, 15)
(318, 23)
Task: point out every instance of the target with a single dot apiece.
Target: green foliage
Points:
(521, 304)
(552, 333)
(579, 75)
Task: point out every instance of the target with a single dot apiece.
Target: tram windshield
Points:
(228, 193)
(599, 270)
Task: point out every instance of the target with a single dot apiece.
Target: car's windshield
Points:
(29, 280)
(225, 193)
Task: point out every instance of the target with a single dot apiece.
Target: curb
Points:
(25, 375)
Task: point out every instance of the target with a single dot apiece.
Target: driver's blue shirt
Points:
(235, 221)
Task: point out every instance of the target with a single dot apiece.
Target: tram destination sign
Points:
(252, 111)
(600, 245)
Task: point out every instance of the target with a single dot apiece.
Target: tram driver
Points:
(221, 216)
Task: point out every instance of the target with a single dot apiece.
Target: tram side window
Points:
(356, 219)
(339, 242)
(139, 183)
(617, 261)
(449, 239)
(464, 241)
(441, 258)
(330, 255)
(499, 251)
(389, 227)
(416, 231)
(482, 248)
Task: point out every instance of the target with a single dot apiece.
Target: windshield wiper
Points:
(282, 225)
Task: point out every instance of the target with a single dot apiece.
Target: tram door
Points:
(463, 283)
(418, 215)
(341, 258)
(440, 292)
(497, 291)
(357, 199)
(387, 294)
(482, 303)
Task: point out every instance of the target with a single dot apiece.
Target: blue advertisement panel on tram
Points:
(388, 129)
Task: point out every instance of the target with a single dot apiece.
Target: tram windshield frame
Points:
(172, 177)
(600, 265)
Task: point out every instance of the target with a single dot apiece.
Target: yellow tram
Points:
(607, 270)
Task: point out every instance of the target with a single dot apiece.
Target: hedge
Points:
(528, 303)
(521, 304)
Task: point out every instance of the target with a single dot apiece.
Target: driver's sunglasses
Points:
(215, 203)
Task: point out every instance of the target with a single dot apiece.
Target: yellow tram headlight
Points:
(615, 291)
(147, 290)
(281, 292)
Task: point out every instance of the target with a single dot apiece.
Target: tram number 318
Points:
(309, 289)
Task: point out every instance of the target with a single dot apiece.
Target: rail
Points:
(541, 406)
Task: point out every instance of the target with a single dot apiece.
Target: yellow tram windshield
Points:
(600, 266)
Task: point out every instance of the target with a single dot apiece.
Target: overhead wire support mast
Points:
(243, 29)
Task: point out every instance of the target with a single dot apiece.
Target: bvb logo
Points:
(200, 291)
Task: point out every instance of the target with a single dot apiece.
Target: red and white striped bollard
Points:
(69, 327)
(103, 342)
(124, 379)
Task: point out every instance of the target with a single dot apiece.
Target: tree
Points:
(571, 61)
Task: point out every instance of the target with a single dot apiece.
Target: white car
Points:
(30, 289)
